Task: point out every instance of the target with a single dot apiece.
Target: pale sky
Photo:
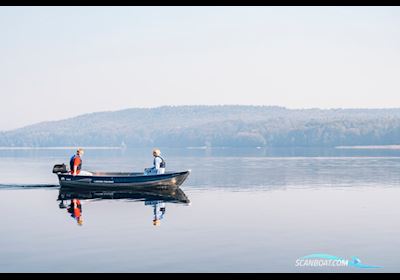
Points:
(59, 62)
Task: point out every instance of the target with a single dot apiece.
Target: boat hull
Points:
(124, 180)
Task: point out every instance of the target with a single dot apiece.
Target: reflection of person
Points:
(75, 208)
(158, 164)
(76, 162)
(159, 211)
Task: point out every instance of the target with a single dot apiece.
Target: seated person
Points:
(76, 164)
(158, 164)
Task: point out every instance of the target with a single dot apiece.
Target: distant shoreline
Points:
(200, 127)
(60, 148)
(370, 147)
(365, 147)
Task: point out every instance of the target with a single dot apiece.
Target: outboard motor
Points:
(60, 168)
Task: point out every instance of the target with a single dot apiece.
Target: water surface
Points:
(250, 210)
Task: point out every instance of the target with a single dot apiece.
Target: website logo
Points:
(324, 260)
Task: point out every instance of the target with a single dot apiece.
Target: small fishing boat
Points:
(120, 179)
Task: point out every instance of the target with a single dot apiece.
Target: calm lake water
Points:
(250, 210)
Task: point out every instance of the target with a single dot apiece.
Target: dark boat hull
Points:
(124, 180)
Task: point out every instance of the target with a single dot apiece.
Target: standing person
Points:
(76, 162)
(158, 164)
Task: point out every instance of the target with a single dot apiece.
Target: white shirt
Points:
(157, 163)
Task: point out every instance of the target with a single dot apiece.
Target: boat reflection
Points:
(70, 199)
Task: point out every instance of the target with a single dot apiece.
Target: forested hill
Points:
(215, 126)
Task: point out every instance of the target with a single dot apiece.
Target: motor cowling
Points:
(60, 168)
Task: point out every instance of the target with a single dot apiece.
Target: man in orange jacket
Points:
(76, 162)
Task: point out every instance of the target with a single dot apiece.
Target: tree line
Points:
(215, 126)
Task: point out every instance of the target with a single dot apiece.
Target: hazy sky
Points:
(58, 62)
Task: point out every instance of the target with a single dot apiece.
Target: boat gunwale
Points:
(119, 175)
